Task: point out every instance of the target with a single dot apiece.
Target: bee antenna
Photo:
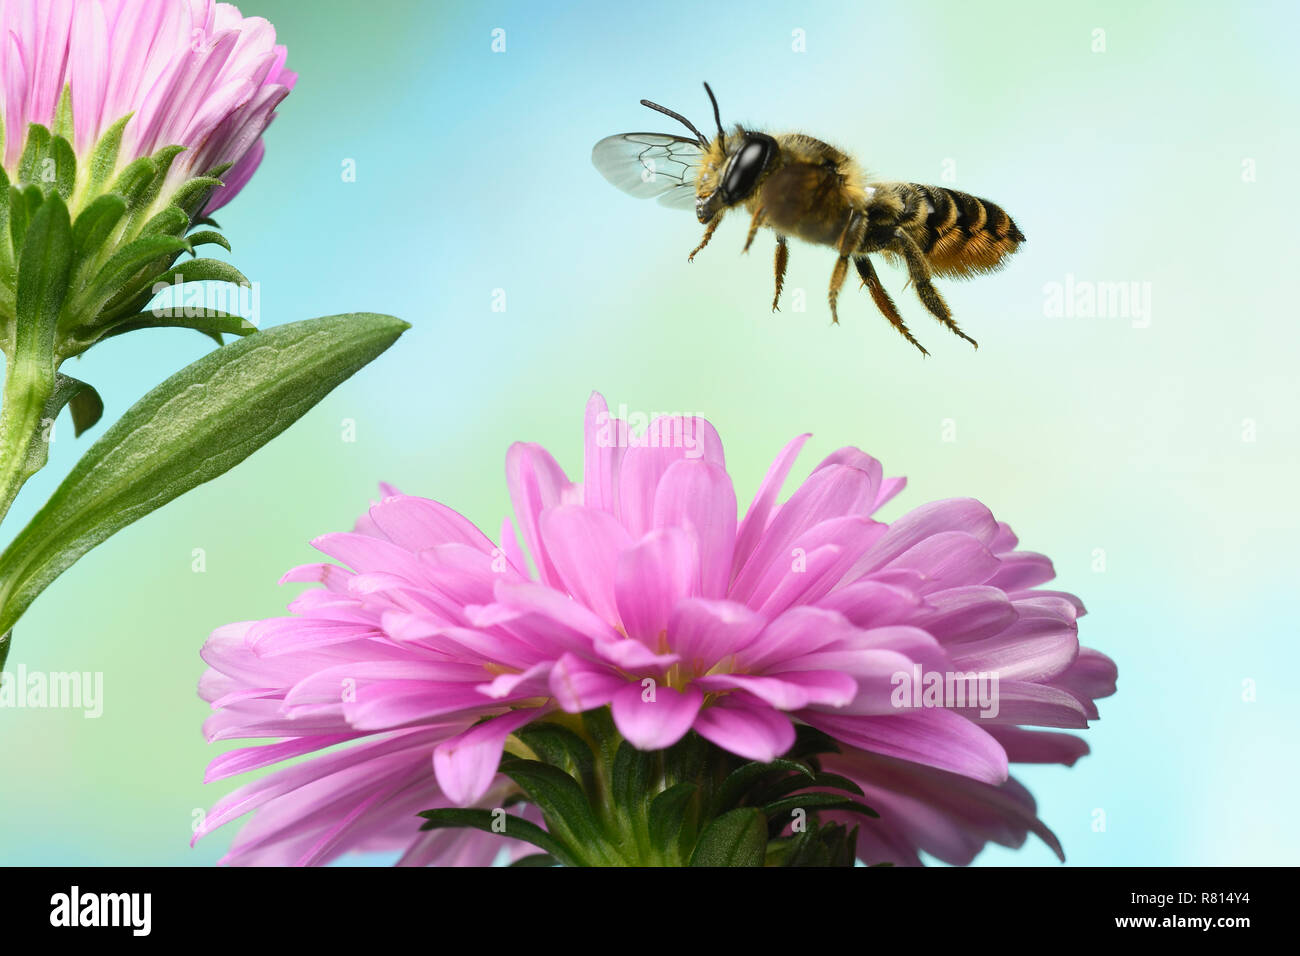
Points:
(717, 117)
(680, 118)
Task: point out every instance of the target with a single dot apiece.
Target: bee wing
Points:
(650, 165)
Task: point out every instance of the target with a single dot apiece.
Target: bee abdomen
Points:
(965, 235)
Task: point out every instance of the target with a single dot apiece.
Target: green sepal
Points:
(191, 193)
(35, 149)
(192, 428)
(133, 182)
(6, 250)
(103, 158)
(737, 838)
(631, 777)
(788, 785)
(743, 778)
(162, 161)
(203, 270)
(814, 801)
(809, 741)
(43, 270)
(516, 828)
(96, 222)
(208, 237)
(23, 203)
(560, 747)
(667, 816)
(171, 221)
(823, 846)
(211, 323)
(65, 167)
(127, 262)
(563, 803)
(63, 115)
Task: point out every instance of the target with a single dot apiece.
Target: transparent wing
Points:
(650, 165)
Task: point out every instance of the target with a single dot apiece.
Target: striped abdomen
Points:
(964, 235)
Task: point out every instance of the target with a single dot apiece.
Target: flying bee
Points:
(800, 187)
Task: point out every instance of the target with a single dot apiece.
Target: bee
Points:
(800, 187)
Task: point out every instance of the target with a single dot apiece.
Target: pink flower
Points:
(650, 597)
(190, 73)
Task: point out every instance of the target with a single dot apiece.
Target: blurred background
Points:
(1147, 444)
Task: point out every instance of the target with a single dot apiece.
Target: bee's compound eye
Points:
(748, 164)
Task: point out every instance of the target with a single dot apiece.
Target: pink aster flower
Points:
(648, 596)
(189, 73)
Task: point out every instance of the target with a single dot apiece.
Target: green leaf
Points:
(516, 828)
(82, 400)
(86, 408)
(535, 859)
(737, 838)
(193, 427)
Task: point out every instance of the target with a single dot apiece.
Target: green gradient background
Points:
(473, 175)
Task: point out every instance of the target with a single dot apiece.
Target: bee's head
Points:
(731, 167)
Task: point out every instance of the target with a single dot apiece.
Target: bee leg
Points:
(918, 271)
(882, 299)
(852, 236)
(759, 215)
(782, 259)
(708, 234)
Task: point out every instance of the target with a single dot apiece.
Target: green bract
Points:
(608, 804)
(95, 247)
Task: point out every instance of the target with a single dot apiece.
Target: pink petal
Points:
(936, 738)
(654, 722)
(746, 730)
(652, 577)
(697, 496)
(605, 443)
(704, 632)
(466, 764)
(760, 509)
(536, 483)
(579, 684)
(584, 545)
